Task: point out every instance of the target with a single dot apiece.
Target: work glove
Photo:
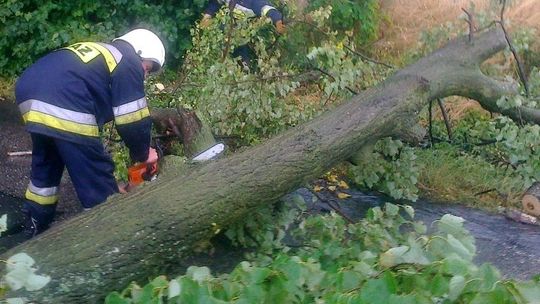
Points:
(205, 21)
(280, 27)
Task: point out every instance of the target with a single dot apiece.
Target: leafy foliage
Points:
(252, 101)
(385, 258)
(515, 147)
(356, 19)
(236, 102)
(29, 29)
(500, 140)
(390, 168)
(21, 274)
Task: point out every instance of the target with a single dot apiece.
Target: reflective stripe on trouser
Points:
(89, 166)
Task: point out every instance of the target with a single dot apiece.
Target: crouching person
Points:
(65, 98)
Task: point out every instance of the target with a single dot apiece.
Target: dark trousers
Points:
(89, 166)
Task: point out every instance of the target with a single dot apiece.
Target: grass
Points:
(450, 176)
(7, 89)
(408, 19)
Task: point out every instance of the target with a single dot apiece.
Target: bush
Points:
(357, 19)
(29, 29)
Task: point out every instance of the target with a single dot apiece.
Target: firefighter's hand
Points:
(205, 21)
(122, 187)
(152, 156)
(280, 27)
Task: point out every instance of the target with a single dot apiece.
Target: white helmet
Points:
(147, 45)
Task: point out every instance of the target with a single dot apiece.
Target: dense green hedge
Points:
(31, 28)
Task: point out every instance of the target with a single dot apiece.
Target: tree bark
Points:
(142, 234)
(195, 134)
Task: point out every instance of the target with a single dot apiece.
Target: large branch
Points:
(146, 233)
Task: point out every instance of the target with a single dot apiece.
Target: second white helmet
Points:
(147, 45)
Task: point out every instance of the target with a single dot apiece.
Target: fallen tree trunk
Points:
(137, 236)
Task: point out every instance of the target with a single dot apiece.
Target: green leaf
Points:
(455, 287)
(391, 209)
(403, 299)
(348, 280)
(36, 282)
(489, 276)
(379, 290)
(459, 248)
(451, 224)
(19, 261)
(409, 210)
(199, 274)
(116, 298)
(456, 266)
(393, 256)
(530, 291)
(21, 274)
(440, 285)
(174, 289)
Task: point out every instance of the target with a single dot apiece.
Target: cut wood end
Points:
(531, 204)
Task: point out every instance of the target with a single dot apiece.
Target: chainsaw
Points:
(145, 172)
(142, 172)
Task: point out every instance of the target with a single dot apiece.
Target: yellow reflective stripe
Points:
(56, 111)
(266, 9)
(43, 191)
(42, 200)
(130, 107)
(60, 124)
(109, 58)
(242, 12)
(87, 51)
(132, 117)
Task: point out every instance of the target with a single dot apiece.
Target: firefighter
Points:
(249, 9)
(65, 98)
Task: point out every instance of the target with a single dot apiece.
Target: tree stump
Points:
(531, 200)
(193, 132)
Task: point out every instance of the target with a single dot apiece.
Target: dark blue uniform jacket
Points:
(70, 93)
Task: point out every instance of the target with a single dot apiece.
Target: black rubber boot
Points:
(37, 218)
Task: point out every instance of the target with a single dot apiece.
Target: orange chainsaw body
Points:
(141, 172)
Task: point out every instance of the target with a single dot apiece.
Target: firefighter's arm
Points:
(210, 11)
(130, 109)
(263, 8)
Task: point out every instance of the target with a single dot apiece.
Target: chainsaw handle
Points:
(151, 171)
